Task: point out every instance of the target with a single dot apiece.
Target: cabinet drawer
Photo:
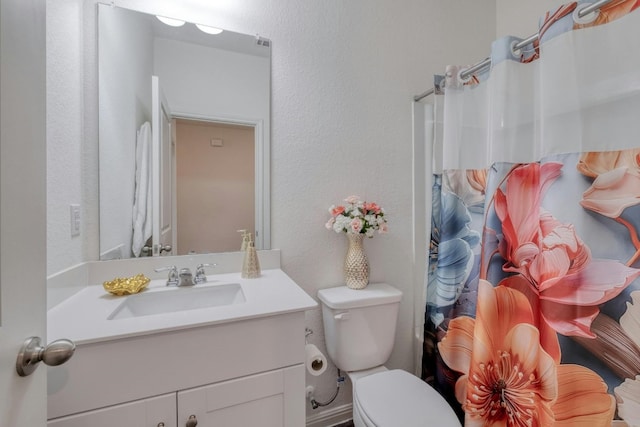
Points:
(150, 412)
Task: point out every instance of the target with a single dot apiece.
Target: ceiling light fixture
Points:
(209, 30)
(170, 21)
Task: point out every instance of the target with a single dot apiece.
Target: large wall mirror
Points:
(184, 136)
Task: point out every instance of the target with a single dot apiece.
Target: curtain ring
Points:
(588, 18)
(515, 52)
(463, 80)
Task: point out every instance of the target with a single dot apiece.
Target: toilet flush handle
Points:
(342, 316)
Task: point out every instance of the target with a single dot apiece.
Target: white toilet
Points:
(360, 328)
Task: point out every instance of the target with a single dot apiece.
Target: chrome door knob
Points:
(32, 353)
(192, 421)
(166, 248)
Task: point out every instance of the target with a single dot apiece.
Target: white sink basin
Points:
(178, 299)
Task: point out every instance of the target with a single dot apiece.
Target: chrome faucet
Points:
(201, 276)
(184, 277)
(173, 279)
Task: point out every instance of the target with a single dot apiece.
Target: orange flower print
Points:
(610, 12)
(593, 164)
(468, 184)
(511, 378)
(616, 181)
(616, 187)
(477, 179)
(555, 268)
(607, 13)
(612, 192)
(508, 379)
(582, 399)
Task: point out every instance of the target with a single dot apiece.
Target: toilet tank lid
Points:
(342, 297)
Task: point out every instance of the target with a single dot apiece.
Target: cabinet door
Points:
(152, 412)
(270, 399)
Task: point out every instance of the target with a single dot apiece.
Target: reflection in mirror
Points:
(184, 163)
(216, 160)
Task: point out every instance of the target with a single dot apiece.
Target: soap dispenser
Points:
(245, 239)
(251, 265)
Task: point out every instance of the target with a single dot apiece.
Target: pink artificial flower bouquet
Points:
(357, 217)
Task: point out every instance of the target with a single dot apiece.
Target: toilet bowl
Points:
(397, 398)
(359, 332)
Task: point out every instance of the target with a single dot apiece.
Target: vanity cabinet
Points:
(265, 400)
(242, 373)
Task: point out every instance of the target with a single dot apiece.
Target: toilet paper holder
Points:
(318, 369)
(315, 361)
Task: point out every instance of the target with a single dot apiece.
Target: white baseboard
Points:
(330, 417)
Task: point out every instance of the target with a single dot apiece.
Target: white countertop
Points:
(83, 318)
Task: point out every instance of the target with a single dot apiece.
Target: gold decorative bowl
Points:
(127, 286)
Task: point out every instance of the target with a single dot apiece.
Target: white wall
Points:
(65, 131)
(520, 17)
(343, 78)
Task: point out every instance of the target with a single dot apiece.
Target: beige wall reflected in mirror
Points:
(223, 78)
(215, 184)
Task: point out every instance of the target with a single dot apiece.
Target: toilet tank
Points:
(360, 325)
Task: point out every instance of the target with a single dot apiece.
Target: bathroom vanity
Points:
(239, 363)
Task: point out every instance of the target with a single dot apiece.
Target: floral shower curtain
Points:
(533, 283)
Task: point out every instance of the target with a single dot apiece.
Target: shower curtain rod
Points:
(466, 73)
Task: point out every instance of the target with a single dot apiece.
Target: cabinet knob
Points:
(160, 425)
(192, 421)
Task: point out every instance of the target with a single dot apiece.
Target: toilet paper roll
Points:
(316, 362)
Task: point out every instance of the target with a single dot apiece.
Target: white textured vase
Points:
(356, 264)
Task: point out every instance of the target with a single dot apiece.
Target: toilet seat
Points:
(397, 398)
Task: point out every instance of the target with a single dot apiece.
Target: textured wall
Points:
(520, 17)
(65, 131)
(343, 77)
